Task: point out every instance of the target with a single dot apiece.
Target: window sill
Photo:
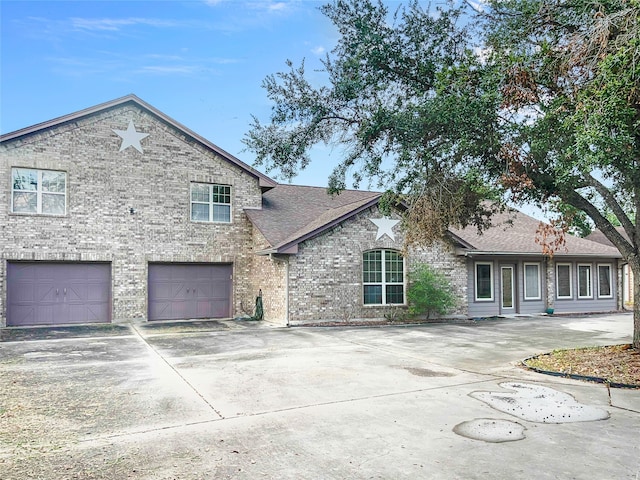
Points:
(39, 215)
(203, 222)
(378, 305)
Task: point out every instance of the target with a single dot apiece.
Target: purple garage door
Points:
(182, 291)
(40, 293)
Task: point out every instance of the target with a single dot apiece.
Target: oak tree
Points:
(528, 101)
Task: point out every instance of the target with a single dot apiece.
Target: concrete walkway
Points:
(211, 400)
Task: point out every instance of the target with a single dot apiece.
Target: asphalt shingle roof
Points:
(293, 212)
(515, 232)
(598, 236)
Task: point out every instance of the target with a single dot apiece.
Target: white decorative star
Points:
(385, 227)
(131, 138)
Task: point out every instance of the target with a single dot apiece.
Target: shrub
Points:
(429, 292)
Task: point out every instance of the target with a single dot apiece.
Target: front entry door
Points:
(507, 289)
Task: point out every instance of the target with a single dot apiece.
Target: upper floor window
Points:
(41, 192)
(383, 277)
(210, 203)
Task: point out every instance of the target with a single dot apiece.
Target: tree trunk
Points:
(634, 264)
(636, 310)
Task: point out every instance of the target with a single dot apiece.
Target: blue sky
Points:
(200, 62)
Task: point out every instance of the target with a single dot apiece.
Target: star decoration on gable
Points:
(131, 138)
(385, 227)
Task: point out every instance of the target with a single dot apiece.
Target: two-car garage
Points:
(52, 293)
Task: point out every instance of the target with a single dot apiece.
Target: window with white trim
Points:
(532, 289)
(484, 281)
(210, 203)
(383, 277)
(564, 283)
(604, 281)
(41, 192)
(584, 281)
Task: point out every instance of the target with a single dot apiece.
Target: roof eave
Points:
(473, 253)
(291, 246)
(459, 240)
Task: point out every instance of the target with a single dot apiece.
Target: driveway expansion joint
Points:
(158, 355)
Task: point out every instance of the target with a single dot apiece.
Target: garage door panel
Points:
(85, 313)
(183, 291)
(206, 289)
(34, 315)
(75, 293)
(219, 308)
(178, 290)
(158, 309)
(80, 314)
(96, 293)
(24, 315)
(40, 293)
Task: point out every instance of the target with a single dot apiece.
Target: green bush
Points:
(429, 292)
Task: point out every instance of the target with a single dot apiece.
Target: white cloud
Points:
(169, 69)
(257, 5)
(115, 24)
(319, 50)
(278, 6)
(478, 6)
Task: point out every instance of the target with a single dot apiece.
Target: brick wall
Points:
(325, 277)
(269, 275)
(103, 184)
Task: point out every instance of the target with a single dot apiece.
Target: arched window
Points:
(383, 277)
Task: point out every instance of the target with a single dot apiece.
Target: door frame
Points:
(514, 296)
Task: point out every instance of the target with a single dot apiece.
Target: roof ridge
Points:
(326, 188)
(263, 179)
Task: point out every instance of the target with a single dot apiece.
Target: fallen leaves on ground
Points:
(614, 364)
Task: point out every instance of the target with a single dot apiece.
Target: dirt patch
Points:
(14, 334)
(616, 364)
(47, 415)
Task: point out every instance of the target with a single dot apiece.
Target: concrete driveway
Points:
(211, 400)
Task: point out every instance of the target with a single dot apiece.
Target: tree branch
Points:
(576, 200)
(611, 202)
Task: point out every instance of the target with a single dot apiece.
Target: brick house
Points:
(119, 213)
